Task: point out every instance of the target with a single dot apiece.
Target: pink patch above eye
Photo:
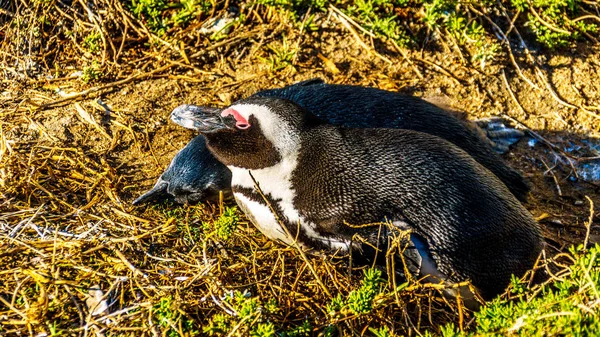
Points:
(240, 121)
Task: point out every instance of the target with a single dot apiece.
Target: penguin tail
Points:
(158, 192)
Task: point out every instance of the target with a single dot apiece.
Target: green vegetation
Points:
(244, 309)
(173, 322)
(151, 12)
(383, 331)
(359, 301)
(252, 315)
(568, 305)
(281, 55)
(554, 23)
(263, 330)
(224, 226)
(379, 17)
(161, 15)
(92, 72)
(92, 42)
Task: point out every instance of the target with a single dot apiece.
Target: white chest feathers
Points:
(276, 182)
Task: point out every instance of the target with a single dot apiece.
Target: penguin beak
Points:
(199, 118)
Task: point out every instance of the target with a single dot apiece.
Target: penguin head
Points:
(254, 133)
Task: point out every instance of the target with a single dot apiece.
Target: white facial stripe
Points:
(275, 129)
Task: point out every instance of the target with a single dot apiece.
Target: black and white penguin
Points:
(318, 178)
(350, 106)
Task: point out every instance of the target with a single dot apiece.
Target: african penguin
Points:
(322, 179)
(193, 176)
(351, 106)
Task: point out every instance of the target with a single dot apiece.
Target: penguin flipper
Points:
(158, 192)
(419, 261)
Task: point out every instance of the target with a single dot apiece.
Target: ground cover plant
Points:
(85, 94)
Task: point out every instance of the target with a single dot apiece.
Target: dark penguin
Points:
(192, 176)
(354, 106)
(465, 223)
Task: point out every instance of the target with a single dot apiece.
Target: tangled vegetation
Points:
(565, 306)
(77, 259)
(480, 29)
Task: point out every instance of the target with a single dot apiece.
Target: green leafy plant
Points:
(167, 315)
(383, 331)
(161, 15)
(92, 42)
(218, 325)
(281, 55)
(272, 306)
(245, 308)
(485, 53)
(224, 226)
(263, 330)
(359, 301)
(151, 12)
(303, 330)
(552, 21)
(568, 306)
(436, 11)
(251, 316)
(378, 17)
(91, 73)
(335, 306)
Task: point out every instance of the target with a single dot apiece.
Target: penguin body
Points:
(321, 179)
(350, 106)
(365, 107)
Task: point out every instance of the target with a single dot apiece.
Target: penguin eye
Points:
(240, 122)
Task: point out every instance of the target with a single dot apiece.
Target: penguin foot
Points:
(500, 135)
